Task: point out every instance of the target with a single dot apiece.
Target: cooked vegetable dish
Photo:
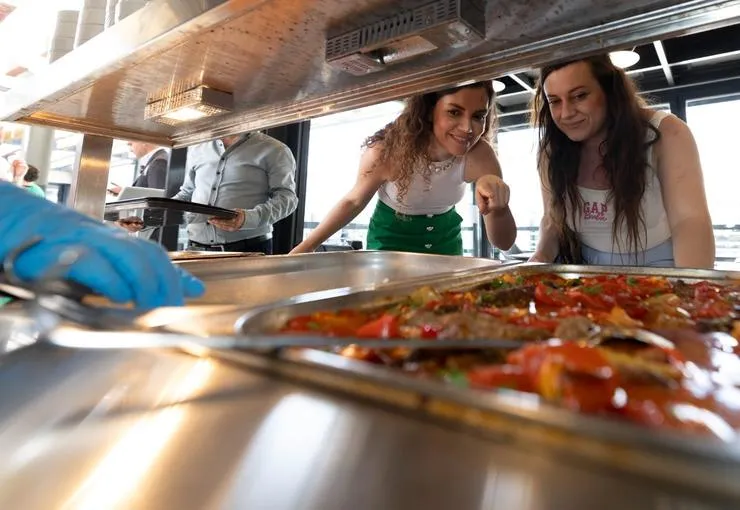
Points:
(658, 352)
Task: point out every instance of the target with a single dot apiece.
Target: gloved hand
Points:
(113, 264)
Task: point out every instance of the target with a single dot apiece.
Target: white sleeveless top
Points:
(597, 216)
(445, 189)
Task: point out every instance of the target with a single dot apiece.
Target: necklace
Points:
(441, 166)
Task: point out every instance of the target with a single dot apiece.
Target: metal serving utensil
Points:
(603, 336)
(152, 339)
(162, 337)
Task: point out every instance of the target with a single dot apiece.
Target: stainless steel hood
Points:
(271, 55)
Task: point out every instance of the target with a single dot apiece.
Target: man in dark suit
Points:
(153, 163)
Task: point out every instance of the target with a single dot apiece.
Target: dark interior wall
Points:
(289, 231)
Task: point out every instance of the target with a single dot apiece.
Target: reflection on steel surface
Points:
(90, 176)
(114, 478)
(239, 440)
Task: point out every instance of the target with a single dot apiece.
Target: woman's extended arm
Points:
(684, 198)
(491, 194)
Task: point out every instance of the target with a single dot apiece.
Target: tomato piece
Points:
(576, 376)
(587, 394)
(428, 331)
(704, 291)
(545, 364)
(386, 326)
(500, 376)
(592, 299)
(582, 359)
(550, 297)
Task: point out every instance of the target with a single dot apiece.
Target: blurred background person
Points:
(29, 182)
(153, 162)
(13, 170)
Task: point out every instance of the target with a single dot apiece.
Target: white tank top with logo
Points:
(446, 188)
(597, 216)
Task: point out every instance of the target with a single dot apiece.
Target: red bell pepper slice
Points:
(386, 326)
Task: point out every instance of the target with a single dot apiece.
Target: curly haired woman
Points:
(621, 183)
(419, 165)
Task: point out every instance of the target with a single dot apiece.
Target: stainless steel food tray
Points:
(507, 415)
(269, 318)
(252, 281)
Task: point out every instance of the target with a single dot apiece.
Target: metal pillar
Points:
(90, 176)
(39, 144)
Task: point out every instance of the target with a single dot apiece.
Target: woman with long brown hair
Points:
(621, 183)
(419, 165)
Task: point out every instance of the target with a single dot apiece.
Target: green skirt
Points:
(432, 233)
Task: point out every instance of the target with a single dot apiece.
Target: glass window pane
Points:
(122, 165)
(62, 161)
(517, 154)
(711, 121)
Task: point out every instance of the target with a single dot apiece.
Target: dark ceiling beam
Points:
(525, 83)
(660, 51)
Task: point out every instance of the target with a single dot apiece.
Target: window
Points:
(333, 158)
(64, 156)
(61, 164)
(517, 154)
(11, 138)
(711, 121)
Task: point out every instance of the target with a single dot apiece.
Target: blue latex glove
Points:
(115, 265)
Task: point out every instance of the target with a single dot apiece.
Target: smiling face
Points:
(459, 120)
(577, 102)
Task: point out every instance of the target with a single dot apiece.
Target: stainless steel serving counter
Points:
(254, 281)
(164, 430)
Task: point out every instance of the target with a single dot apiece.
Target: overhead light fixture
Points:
(624, 58)
(192, 104)
(498, 86)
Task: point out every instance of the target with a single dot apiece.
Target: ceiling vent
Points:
(412, 32)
